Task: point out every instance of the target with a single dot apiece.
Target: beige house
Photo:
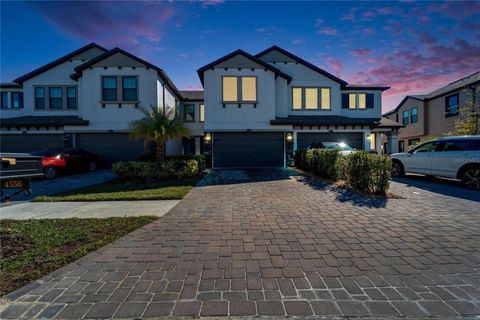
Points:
(433, 114)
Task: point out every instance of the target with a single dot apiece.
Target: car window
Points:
(462, 145)
(427, 147)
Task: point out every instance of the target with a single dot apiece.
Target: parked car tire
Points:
(471, 177)
(50, 172)
(92, 166)
(397, 169)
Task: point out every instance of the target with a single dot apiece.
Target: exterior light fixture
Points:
(289, 137)
(207, 137)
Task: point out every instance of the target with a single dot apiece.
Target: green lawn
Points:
(33, 248)
(117, 190)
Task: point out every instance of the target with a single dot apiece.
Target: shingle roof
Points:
(365, 87)
(387, 123)
(192, 95)
(10, 85)
(41, 121)
(57, 62)
(323, 120)
(248, 56)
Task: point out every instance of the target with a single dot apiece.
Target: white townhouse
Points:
(260, 109)
(86, 99)
(255, 111)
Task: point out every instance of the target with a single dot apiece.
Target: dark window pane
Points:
(451, 106)
(189, 114)
(129, 86)
(4, 100)
(40, 98)
(17, 100)
(109, 88)
(55, 98)
(413, 115)
(405, 117)
(71, 98)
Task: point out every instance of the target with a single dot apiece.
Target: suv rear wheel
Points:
(397, 169)
(471, 178)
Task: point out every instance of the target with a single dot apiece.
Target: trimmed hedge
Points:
(367, 172)
(363, 171)
(171, 169)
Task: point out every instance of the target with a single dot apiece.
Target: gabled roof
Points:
(248, 56)
(301, 61)
(116, 50)
(387, 123)
(416, 97)
(364, 87)
(192, 95)
(57, 62)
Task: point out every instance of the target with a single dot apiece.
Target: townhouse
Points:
(433, 114)
(255, 110)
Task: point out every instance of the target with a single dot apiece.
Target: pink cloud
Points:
(109, 23)
(211, 2)
(360, 52)
(327, 30)
(335, 64)
(298, 41)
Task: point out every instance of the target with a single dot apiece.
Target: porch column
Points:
(392, 142)
(197, 145)
(294, 140)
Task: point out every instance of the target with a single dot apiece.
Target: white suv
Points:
(449, 157)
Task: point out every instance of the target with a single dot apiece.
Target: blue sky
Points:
(414, 47)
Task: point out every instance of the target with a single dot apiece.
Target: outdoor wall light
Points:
(289, 137)
(208, 137)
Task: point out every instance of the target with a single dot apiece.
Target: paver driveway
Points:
(265, 243)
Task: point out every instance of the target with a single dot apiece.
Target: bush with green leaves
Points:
(324, 163)
(172, 169)
(367, 172)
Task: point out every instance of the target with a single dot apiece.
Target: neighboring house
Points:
(86, 99)
(262, 108)
(433, 114)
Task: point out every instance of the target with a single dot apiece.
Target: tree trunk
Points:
(160, 151)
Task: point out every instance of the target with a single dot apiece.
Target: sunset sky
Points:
(414, 47)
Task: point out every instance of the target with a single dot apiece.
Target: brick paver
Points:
(247, 243)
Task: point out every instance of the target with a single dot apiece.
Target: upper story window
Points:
(201, 112)
(405, 117)
(129, 89)
(17, 100)
(414, 115)
(246, 86)
(71, 98)
(310, 98)
(451, 106)
(39, 98)
(109, 88)
(357, 101)
(4, 100)
(189, 113)
(55, 97)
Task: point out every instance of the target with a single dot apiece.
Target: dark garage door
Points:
(111, 147)
(29, 142)
(353, 139)
(248, 149)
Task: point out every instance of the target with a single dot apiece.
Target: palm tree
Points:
(158, 126)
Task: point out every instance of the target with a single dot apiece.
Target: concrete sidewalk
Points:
(96, 209)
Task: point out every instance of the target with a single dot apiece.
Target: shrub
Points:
(147, 171)
(323, 163)
(367, 172)
(200, 158)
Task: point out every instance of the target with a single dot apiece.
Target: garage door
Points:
(111, 147)
(248, 149)
(353, 139)
(29, 142)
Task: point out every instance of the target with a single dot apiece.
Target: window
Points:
(373, 143)
(249, 89)
(412, 142)
(325, 92)
(427, 147)
(71, 98)
(297, 98)
(55, 98)
(4, 100)
(311, 98)
(189, 113)
(414, 115)
(405, 117)
(202, 112)
(451, 105)
(401, 146)
(230, 89)
(17, 100)
(109, 88)
(39, 98)
(362, 101)
(462, 145)
(129, 89)
(352, 101)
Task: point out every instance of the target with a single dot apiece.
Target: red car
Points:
(57, 160)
